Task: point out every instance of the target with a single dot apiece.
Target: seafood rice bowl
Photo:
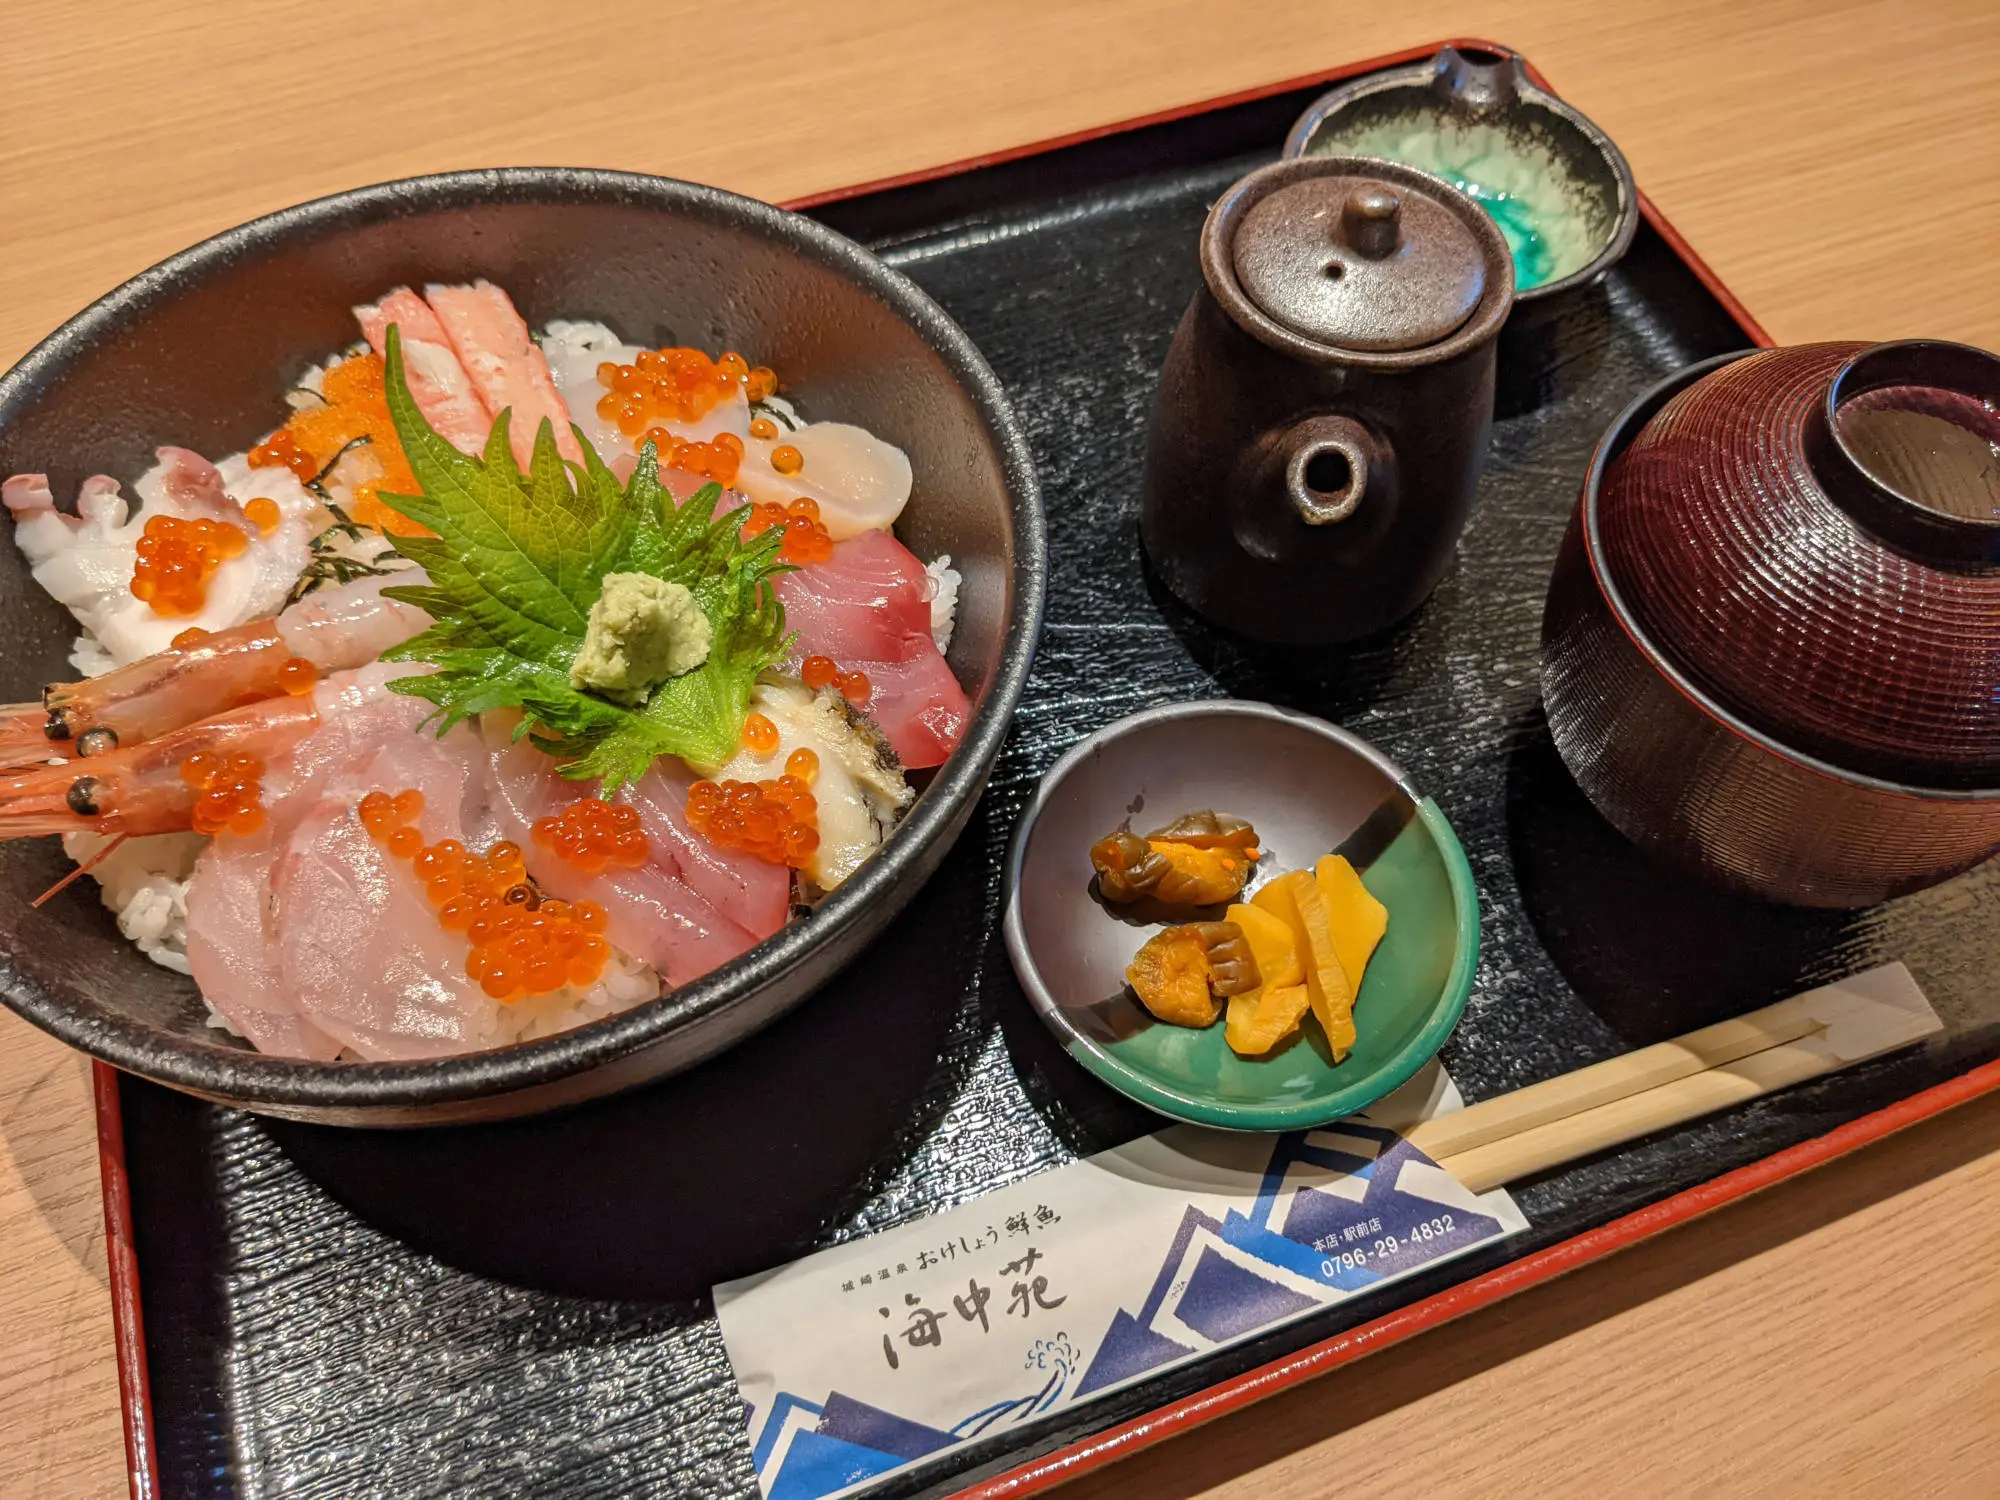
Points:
(511, 679)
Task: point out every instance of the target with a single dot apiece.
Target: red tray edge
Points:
(127, 1314)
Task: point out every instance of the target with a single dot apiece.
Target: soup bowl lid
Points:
(1812, 534)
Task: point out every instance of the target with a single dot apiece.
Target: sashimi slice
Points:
(869, 601)
(919, 707)
(507, 367)
(443, 391)
(233, 926)
(859, 482)
(868, 607)
(653, 913)
(752, 892)
(575, 350)
(363, 955)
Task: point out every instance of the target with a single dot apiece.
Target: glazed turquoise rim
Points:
(1277, 1115)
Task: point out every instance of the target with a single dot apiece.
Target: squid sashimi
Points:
(654, 914)
(437, 380)
(507, 367)
(868, 607)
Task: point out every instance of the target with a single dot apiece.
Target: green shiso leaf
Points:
(516, 564)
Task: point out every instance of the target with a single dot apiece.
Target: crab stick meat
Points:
(506, 366)
(443, 391)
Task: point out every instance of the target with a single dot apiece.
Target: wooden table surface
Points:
(1837, 164)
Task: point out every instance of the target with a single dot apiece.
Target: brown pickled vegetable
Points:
(1199, 859)
(1180, 973)
(1210, 830)
(1232, 964)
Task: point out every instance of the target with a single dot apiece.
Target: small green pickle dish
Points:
(1310, 789)
(1560, 191)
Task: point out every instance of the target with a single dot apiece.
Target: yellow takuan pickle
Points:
(1260, 1019)
(1295, 899)
(1358, 920)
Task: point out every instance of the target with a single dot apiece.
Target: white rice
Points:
(944, 584)
(144, 882)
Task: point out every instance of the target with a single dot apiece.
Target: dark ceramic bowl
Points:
(1310, 788)
(199, 349)
(1690, 779)
(1485, 98)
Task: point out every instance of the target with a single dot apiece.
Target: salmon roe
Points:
(760, 735)
(521, 944)
(178, 557)
(763, 429)
(675, 385)
(806, 537)
(817, 672)
(355, 407)
(787, 460)
(595, 835)
(777, 821)
(229, 788)
(189, 637)
(262, 512)
(296, 676)
(281, 450)
(717, 459)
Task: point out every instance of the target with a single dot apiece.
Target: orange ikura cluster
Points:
(521, 945)
(817, 672)
(777, 821)
(281, 450)
(178, 557)
(806, 538)
(355, 406)
(229, 788)
(717, 459)
(594, 835)
(675, 385)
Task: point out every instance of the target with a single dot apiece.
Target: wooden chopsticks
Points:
(1593, 1108)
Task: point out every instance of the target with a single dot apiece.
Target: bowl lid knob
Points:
(1360, 264)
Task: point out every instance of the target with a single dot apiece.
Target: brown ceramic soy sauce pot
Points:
(1325, 406)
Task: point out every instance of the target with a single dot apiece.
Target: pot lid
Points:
(1359, 263)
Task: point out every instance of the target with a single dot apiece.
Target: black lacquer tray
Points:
(522, 1309)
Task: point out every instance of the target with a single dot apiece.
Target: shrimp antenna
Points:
(83, 869)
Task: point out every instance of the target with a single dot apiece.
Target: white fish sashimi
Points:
(234, 931)
(652, 913)
(576, 349)
(363, 956)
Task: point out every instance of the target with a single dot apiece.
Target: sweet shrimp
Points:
(331, 630)
(159, 786)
